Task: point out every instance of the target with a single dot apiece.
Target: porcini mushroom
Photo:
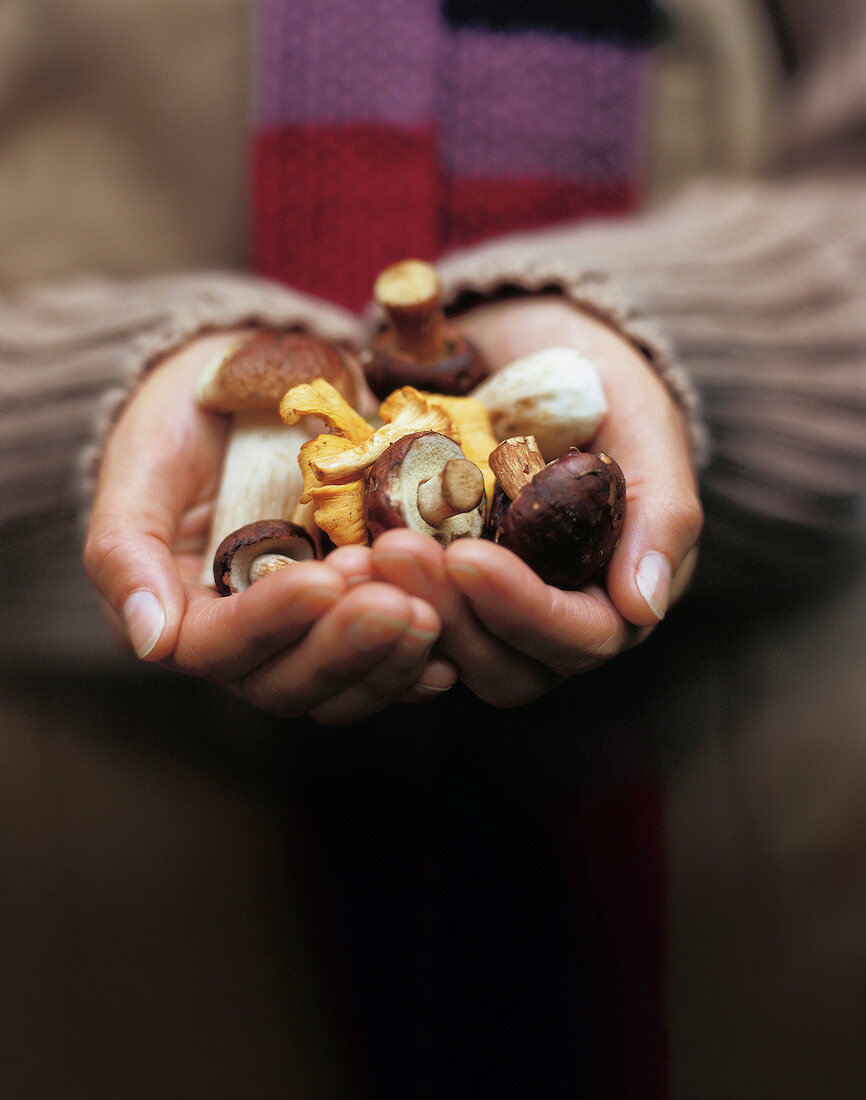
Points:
(424, 482)
(258, 549)
(260, 474)
(563, 518)
(418, 346)
(554, 394)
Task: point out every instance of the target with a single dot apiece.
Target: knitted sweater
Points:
(757, 285)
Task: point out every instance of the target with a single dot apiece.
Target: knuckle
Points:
(103, 549)
(685, 519)
(264, 693)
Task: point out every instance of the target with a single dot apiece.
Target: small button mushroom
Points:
(260, 475)
(418, 345)
(424, 482)
(563, 519)
(258, 549)
(555, 395)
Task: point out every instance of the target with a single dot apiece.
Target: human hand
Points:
(318, 638)
(511, 636)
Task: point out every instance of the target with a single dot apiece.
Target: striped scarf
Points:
(388, 128)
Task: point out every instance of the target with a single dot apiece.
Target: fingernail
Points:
(145, 620)
(409, 572)
(653, 580)
(461, 571)
(438, 676)
(372, 631)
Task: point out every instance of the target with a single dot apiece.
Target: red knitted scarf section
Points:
(386, 129)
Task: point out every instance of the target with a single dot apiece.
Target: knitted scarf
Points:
(393, 128)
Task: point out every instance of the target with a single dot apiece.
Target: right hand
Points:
(322, 639)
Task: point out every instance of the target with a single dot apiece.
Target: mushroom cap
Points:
(236, 553)
(458, 369)
(391, 489)
(262, 368)
(566, 522)
(554, 394)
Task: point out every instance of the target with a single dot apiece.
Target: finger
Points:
(491, 668)
(353, 563)
(569, 632)
(225, 637)
(147, 481)
(437, 676)
(342, 648)
(663, 515)
(388, 680)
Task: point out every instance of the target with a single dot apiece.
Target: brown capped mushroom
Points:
(260, 474)
(424, 482)
(564, 518)
(258, 549)
(418, 346)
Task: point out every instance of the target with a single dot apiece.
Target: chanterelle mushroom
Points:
(333, 466)
(554, 395)
(418, 346)
(424, 482)
(260, 473)
(564, 518)
(258, 549)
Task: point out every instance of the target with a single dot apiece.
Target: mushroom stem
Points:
(261, 476)
(265, 564)
(457, 488)
(515, 462)
(410, 294)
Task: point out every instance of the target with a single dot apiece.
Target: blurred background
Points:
(142, 883)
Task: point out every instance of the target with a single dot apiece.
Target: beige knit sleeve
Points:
(70, 354)
(760, 290)
(558, 261)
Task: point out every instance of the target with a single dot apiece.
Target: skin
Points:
(343, 639)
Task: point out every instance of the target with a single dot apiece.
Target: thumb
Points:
(159, 457)
(131, 565)
(657, 552)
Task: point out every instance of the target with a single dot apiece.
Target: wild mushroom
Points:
(258, 549)
(424, 482)
(564, 518)
(260, 474)
(418, 345)
(473, 430)
(554, 394)
(333, 466)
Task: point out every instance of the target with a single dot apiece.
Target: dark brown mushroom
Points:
(426, 483)
(563, 519)
(418, 346)
(258, 549)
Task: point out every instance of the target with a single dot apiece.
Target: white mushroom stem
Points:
(265, 564)
(261, 478)
(457, 488)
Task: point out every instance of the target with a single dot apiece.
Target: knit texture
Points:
(392, 128)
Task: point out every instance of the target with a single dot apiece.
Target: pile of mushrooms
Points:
(456, 452)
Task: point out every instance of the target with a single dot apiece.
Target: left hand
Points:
(511, 636)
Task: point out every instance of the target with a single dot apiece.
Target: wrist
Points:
(507, 330)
